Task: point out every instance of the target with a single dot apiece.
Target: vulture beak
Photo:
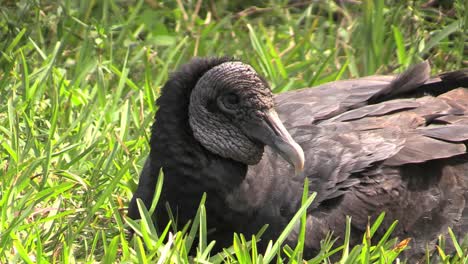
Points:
(272, 132)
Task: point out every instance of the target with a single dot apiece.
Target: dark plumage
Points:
(372, 144)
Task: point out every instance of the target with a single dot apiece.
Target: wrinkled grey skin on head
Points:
(223, 134)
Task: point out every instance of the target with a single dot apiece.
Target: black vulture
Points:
(368, 145)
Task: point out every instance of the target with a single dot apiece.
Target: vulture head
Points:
(231, 113)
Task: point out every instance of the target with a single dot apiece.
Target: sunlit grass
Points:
(78, 81)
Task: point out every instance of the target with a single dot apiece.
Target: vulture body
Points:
(374, 144)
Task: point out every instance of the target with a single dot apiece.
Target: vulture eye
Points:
(230, 100)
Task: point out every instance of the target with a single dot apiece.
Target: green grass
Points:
(78, 81)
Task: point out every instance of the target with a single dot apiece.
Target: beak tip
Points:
(299, 169)
(299, 164)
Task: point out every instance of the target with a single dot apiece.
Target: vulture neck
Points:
(174, 148)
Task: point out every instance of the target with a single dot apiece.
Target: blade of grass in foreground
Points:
(297, 255)
(345, 253)
(271, 252)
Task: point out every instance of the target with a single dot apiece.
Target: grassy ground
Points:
(78, 81)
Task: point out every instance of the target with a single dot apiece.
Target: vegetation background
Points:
(78, 81)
